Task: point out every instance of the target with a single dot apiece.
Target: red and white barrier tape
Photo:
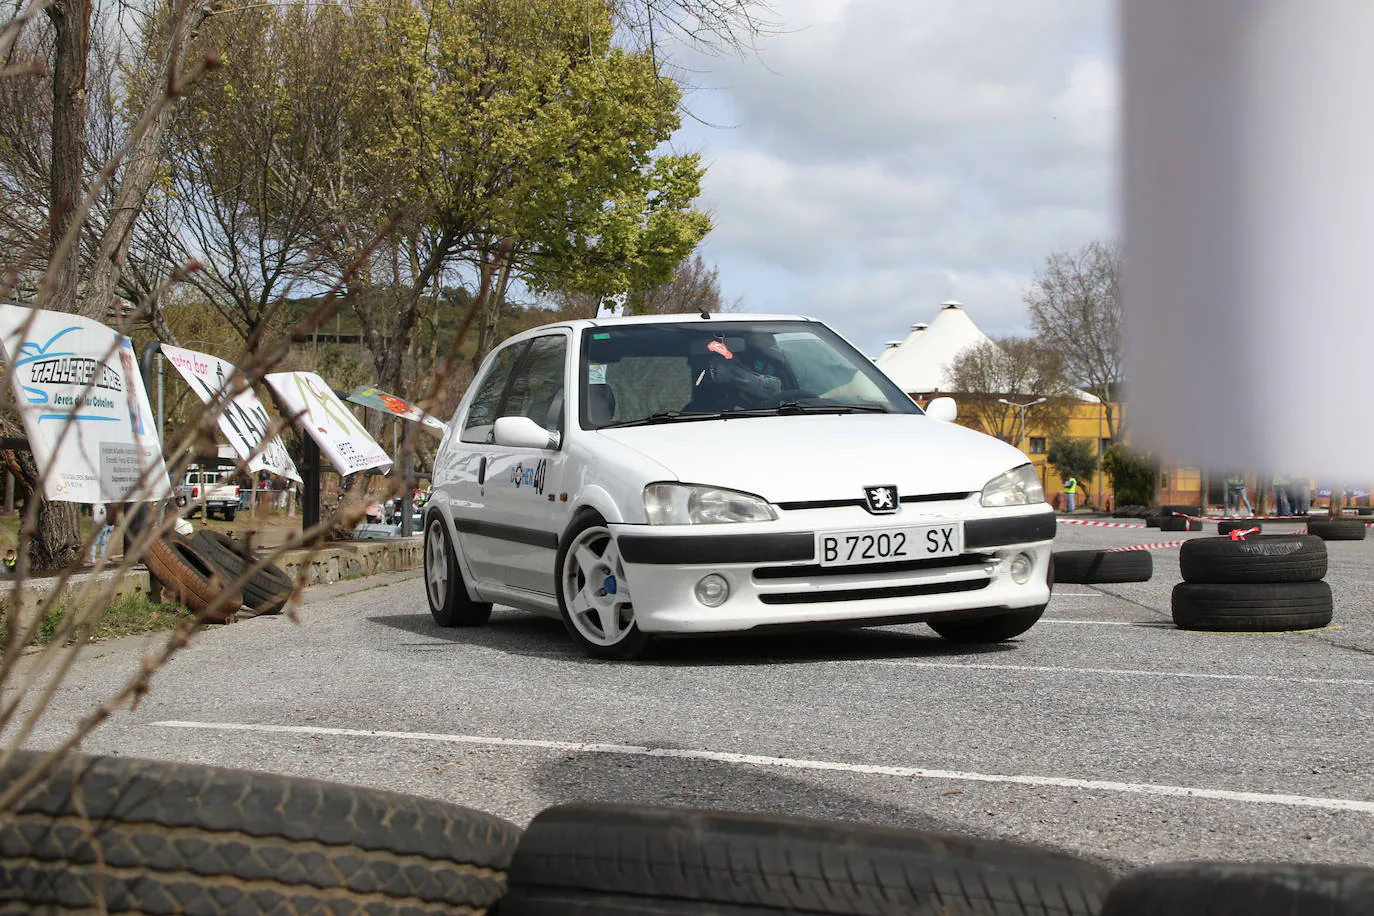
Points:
(1160, 546)
(1085, 521)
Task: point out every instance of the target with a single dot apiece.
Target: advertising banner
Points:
(377, 399)
(87, 416)
(244, 420)
(339, 434)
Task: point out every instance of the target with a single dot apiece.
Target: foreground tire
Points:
(1088, 567)
(192, 579)
(1228, 527)
(117, 835)
(1226, 889)
(593, 859)
(266, 591)
(1173, 523)
(988, 629)
(594, 594)
(1252, 607)
(1337, 529)
(449, 603)
(1263, 558)
(1153, 521)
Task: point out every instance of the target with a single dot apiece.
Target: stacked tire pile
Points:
(1261, 583)
(203, 571)
(123, 835)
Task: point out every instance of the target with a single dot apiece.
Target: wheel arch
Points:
(440, 510)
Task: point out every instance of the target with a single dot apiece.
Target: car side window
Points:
(536, 389)
(486, 403)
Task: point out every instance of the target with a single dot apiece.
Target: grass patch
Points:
(129, 615)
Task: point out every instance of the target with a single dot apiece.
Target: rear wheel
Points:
(448, 596)
(593, 593)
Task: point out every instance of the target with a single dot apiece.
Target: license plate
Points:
(889, 545)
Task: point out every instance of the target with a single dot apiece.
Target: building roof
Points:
(920, 363)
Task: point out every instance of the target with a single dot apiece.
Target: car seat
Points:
(600, 405)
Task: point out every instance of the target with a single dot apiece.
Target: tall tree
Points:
(694, 287)
(1075, 308)
(1015, 369)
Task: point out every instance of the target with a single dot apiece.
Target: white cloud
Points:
(886, 154)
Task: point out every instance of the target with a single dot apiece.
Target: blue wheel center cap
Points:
(609, 585)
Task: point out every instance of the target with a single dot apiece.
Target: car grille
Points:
(813, 570)
(814, 596)
(845, 503)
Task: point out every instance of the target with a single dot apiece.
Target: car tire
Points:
(583, 859)
(1088, 567)
(1263, 558)
(1364, 510)
(192, 579)
(997, 628)
(229, 514)
(1180, 510)
(1249, 889)
(1153, 521)
(1251, 607)
(449, 602)
(107, 834)
(1337, 529)
(266, 591)
(1173, 523)
(1228, 527)
(589, 616)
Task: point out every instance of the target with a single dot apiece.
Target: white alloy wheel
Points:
(596, 593)
(436, 563)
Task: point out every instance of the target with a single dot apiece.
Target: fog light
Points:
(1021, 567)
(713, 590)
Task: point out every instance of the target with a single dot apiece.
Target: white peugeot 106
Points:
(710, 474)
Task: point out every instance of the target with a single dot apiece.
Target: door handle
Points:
(482, 470)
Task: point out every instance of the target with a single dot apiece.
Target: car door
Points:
(524, 515)
(464, 468)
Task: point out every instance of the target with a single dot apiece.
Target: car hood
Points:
(825, 456)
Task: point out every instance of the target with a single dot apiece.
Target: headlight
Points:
(1017, 487)
(686, 504)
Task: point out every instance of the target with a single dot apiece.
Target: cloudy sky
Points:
(879, 156)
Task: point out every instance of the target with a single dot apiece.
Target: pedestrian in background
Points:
(1070, 493)
(102, 521)
(1236, 494)
(1283, 502)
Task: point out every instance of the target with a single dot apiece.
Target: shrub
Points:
(1132, 475)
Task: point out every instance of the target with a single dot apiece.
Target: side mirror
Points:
(522, 432)
(942, 409)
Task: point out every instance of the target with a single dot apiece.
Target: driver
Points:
(723, 380)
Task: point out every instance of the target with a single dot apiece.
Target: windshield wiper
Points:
(794, 407)
(663, 416)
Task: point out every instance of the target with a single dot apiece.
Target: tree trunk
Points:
(495, 273)
(57, 543)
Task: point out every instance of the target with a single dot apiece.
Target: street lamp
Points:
(1021, 409)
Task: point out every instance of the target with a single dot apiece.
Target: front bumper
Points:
(775, 580)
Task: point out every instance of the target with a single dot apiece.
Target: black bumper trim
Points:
(826, 596)
(718, 548)
(999, 532)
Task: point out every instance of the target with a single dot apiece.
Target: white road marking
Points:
(1131, 672)
(1099, 785)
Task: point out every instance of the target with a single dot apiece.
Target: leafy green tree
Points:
(1073, 458)
(1133, 475)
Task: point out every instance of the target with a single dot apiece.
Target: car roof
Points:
(579, 324)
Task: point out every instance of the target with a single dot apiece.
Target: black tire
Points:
(266, 591)
(1194, 524)
(997, 628)
(1337, 529)
(1364, 510)
(1180, 510)
(634, 643)
(1173, 523)
(1228, 527)
(192, 579)
(1251, 607)
(1153, 521)
(587, 859)
(449, 602)
(1258, 558)
(229, 514)
(156, 837)
(1234, 889)
(1086, 567)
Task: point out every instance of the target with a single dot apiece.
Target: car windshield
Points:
(635, 374)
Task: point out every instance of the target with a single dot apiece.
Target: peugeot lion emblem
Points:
(881, 500)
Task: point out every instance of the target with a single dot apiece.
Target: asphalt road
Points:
(1104, 731)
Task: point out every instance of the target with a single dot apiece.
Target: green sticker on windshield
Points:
(605, 335)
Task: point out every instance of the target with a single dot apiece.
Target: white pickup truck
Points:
(203, 487)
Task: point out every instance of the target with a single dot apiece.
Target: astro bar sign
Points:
(328, 421)
(243, 420)
(84, 408)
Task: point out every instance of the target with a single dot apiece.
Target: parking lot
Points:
(1104, 731)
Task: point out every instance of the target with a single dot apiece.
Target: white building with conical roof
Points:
(920, 363)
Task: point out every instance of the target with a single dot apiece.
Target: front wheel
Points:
(594, 595)
(988, 629)
(448, 597)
